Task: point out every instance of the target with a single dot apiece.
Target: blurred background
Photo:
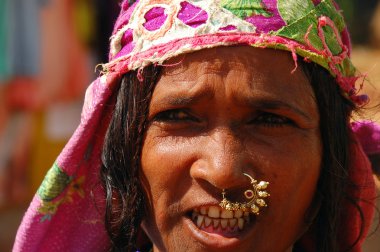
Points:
(48, 53)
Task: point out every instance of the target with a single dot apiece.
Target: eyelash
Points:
(174, 116)
(271, 120)
(265, 118)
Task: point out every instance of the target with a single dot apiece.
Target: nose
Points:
(223, 159)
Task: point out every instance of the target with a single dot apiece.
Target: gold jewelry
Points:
(256, 197)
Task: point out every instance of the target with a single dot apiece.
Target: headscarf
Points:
(67, 212)
(368, 133)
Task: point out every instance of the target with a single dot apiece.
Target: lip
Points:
(217, 241)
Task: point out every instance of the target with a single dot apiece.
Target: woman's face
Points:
(214, 115)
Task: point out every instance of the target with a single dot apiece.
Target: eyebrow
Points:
(186, 100)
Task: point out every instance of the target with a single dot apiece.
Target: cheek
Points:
(163, 165)
(300, 165)
(293, 171)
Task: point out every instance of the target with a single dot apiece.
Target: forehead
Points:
(241, 70)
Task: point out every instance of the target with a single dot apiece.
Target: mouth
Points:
(213, 220)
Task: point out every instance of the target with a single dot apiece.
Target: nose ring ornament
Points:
(255, 197)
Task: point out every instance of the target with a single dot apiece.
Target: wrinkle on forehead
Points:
(207, 60)
(212, 60)
(191, 67)
(232, 52)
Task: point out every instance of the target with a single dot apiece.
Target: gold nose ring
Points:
(255, 196)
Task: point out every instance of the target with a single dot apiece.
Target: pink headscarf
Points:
(368, 133)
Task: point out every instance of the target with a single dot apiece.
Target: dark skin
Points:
(220, 113)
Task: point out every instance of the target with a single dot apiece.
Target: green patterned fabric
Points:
(245, 8)
(293, 10)
(307, 15)
(54, 183)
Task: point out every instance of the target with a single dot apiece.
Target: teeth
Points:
(213, 212)
(224, 223)
(233, 222)
(207, 221)
(221, 218)
(216, 222)
(238, 213)
(194, 215)
(200, 220)
(241, 223)
(227, 214)
(218, 218)
(203, 210)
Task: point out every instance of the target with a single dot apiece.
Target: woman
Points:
(207, 138)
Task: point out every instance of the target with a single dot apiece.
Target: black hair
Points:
(125, 200)
(335, 112)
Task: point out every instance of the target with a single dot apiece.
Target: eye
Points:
(271, 120)
(175, 115)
